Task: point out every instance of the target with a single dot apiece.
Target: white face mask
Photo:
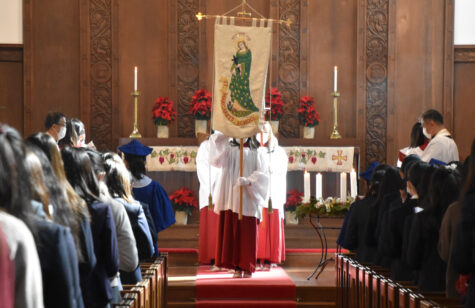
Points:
(424, 131)
(62, 132)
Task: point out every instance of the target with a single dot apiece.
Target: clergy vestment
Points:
(237, 239)
(271, 243)
(441, 147)
(208, 176)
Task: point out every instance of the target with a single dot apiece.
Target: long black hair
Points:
(80, 174)
(136, 165)
(117, 177)
(376, 179)
(444, 189)
(469, 185)
(417, 136)
(14, 186)
(74, 129)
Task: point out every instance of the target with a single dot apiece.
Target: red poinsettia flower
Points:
(183, 200)
(201, 105)
(276, 104)
(294, 199)
(163, 112)
(308, 115)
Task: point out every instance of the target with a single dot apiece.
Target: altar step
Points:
(296, 236)
(321, 293)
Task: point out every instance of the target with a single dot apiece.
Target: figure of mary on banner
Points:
(241, 62)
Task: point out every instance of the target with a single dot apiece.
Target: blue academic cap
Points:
(135, 148)
(368, 172)
(436, 162)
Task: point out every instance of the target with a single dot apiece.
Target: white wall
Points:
(11, 22)
(464, 28)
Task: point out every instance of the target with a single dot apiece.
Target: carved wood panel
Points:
(101, 72)
(187, 63)
(376, 50)
(289, 67)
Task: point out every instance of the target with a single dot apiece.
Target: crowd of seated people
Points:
(418, 221)
(71, 231)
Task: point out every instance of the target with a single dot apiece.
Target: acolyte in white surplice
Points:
(207, 181)
(255, 166)
(441, 147)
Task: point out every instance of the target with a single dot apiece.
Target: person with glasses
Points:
(55, 125)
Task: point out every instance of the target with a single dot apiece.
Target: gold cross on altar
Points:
(339, 157)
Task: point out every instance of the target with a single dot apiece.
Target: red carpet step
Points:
(268, 289)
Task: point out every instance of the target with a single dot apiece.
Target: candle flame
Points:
(199, 16)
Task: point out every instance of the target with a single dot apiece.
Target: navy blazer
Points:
(98, 292)
(59, 265)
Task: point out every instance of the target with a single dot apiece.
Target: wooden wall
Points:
(395, 59)
(11, 85)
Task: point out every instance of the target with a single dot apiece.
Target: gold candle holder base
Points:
(135, 133)
(335, 134)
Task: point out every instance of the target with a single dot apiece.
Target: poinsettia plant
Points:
(163, 112)
(308, 115)
(183, 200)
(294, 199)
(275, 103)
(201, 105)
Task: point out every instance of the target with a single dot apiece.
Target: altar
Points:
(173, 164)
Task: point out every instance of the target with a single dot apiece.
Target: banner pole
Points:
(241, 154)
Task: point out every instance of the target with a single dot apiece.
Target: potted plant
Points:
(183, 202)
(201, 110)
(294, 199)
(162, 114)
(276, 104)
(308, 116)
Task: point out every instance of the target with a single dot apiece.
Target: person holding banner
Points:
(237, 238)
(271, 239)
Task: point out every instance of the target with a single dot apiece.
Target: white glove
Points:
(242, 181)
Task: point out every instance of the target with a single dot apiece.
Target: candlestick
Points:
(335, 134)
(318, 190)
(135, 133)
(343, 187)
(353, 186)
(135, 79)
(306, 186)
(335, 78)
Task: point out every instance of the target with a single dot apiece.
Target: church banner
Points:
(241, 57)
(318, 159)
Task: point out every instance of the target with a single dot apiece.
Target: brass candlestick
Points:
(335, 134)
(135, 133)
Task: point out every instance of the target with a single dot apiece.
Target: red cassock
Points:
(271, 243)
(237, 241)
(208, 233)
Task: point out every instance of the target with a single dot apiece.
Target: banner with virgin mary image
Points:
(241, 58)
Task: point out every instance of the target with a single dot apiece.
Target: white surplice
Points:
(278, 161)
(203, 170)
(226, 157)
(441, 147)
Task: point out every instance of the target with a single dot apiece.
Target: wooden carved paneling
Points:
(187, 63)
(465, 53)
(376, 79)
(101, 72)
(289, 67)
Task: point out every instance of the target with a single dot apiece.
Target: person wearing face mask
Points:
(55, 125)
(75, 134)
(441, 146)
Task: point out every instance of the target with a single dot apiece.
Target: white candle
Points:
(306, 186)
(135, 78)
(343, 187)
(318, 191)
(353, 187)
(335, 77)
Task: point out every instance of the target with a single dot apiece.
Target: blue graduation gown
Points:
(160, 207)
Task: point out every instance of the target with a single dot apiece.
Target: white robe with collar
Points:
(226, 157)
(203, 170)
(441, 147)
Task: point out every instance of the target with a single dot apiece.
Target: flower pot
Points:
(291, 218)
(275, 126)
(308, 132)
(200, 126)
(162, 131)
(181, 218)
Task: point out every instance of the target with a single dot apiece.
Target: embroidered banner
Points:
(241, 57)
(319, 159)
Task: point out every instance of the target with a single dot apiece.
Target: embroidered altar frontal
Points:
(319, 159)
